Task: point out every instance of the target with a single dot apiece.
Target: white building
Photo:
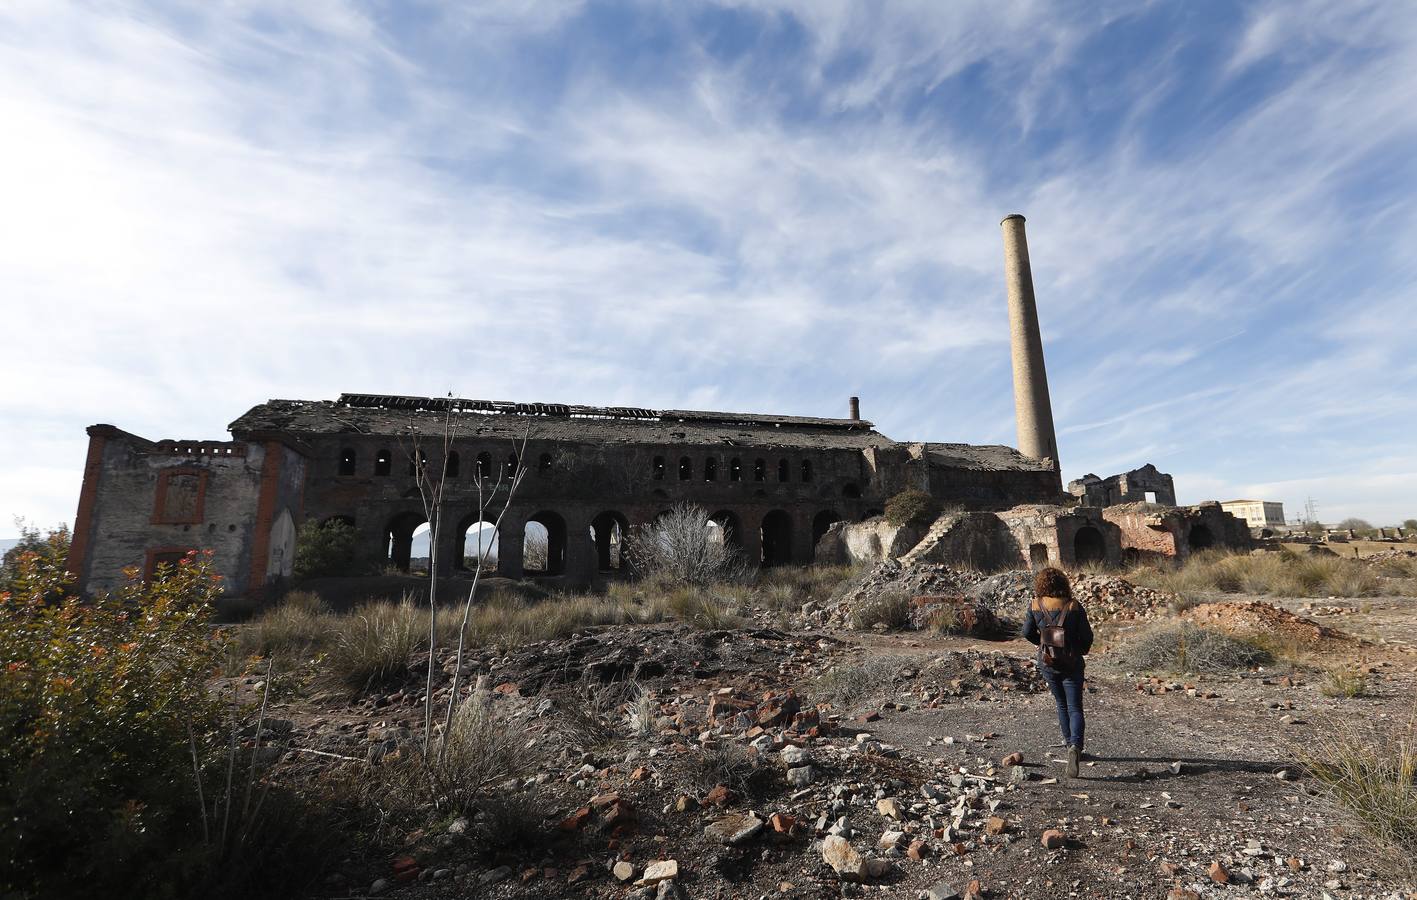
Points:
(1256, 513)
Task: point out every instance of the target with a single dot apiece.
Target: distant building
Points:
(1256, 513)
(1144, 485)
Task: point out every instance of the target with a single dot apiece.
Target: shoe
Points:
(1074, 754)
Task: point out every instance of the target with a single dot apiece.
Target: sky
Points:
(745, 205)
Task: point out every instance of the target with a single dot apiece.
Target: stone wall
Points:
(152, 501)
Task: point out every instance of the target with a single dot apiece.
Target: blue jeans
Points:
(1067, 694)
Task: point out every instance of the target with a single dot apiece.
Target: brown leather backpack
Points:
(1053, 641)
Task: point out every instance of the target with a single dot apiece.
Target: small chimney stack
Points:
(856, 409)
(1032, 409)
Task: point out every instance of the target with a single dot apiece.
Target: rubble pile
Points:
(998, 598)
(1258, 616)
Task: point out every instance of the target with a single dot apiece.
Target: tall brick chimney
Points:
(856, 409)
(1032, 410)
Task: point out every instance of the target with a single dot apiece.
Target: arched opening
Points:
(711, 469)
(543, 465)
(1200, 537)
(417, 463)
(1088, 546)
(851, 491)
(735, 469)
(510, 466)
(347, 461)
(760, 470)
(544, 546)
(686, 468)
(729, 528)
(784, 470)
(400, 545)
(384, 463)
(483, 467)
(1037, 556)
(607, 533)
(477, 545)
(806, 470)
(821, 522)
(454, 465)
(659, 468)
(777, 538)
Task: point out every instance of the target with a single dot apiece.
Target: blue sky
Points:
(756, 206)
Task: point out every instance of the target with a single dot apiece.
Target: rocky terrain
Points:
(825, 762)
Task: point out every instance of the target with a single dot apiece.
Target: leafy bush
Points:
(96, 792)
(912, 507)
(326, 550)
(52, 550)
(1184, 647)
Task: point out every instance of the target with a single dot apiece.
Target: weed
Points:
(1345, 683)
(374, 643)
(846, 685)
(890, 609)
(1373, 776)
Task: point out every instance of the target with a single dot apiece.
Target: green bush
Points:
(326, 550)
(96, 703)
(51, 548)
(911, 507)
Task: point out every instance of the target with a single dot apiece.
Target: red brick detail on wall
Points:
(265, 515)
(83, 518)
(156, 556)
(194, 513)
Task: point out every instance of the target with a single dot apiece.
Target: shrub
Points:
(298, 623)
(890, 609)
(52, 550)
(848, 684)
(912, 507)
(1344, 683)
(374, 643)
(681, 548)
(326, 550)
(96, 792)
(1283, 574)
(1184, 647)
(1373, 776)
(728, 764)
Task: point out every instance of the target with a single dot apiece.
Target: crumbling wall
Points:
(146, 502)
(861, 543)
(1154, 532)
(974, 540)
(1127, 487)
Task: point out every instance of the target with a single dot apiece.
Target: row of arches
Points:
(709, 471)
(546, 537)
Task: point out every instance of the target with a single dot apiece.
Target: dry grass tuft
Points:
(889, 609)
(375, 643)
(1348, 683)
(872, 678)
(1371, 774)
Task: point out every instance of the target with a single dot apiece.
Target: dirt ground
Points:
(1184, 774)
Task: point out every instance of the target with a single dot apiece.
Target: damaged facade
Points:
(1144, 485)
(777, 485)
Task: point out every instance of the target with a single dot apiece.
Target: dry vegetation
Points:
(1282, 574)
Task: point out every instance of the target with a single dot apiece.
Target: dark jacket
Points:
(1076, 628)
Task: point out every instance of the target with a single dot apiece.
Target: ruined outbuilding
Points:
(1143, 485)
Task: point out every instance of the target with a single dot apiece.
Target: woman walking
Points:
(1058, 625)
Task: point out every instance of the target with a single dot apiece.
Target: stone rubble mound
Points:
(1001, 596)
(1258, 616)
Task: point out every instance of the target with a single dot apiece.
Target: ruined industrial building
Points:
(786, 489)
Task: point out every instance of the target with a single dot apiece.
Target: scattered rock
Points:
(623, 871)
(661, 870)
(890, 809)
(845, 861)
(735, 830)
(1218, 873)
(1052, 839)
(1013, 759)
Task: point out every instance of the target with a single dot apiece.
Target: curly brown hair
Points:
(1051, 582)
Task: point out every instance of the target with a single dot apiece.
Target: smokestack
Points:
(856, 409)
(1031, 407)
